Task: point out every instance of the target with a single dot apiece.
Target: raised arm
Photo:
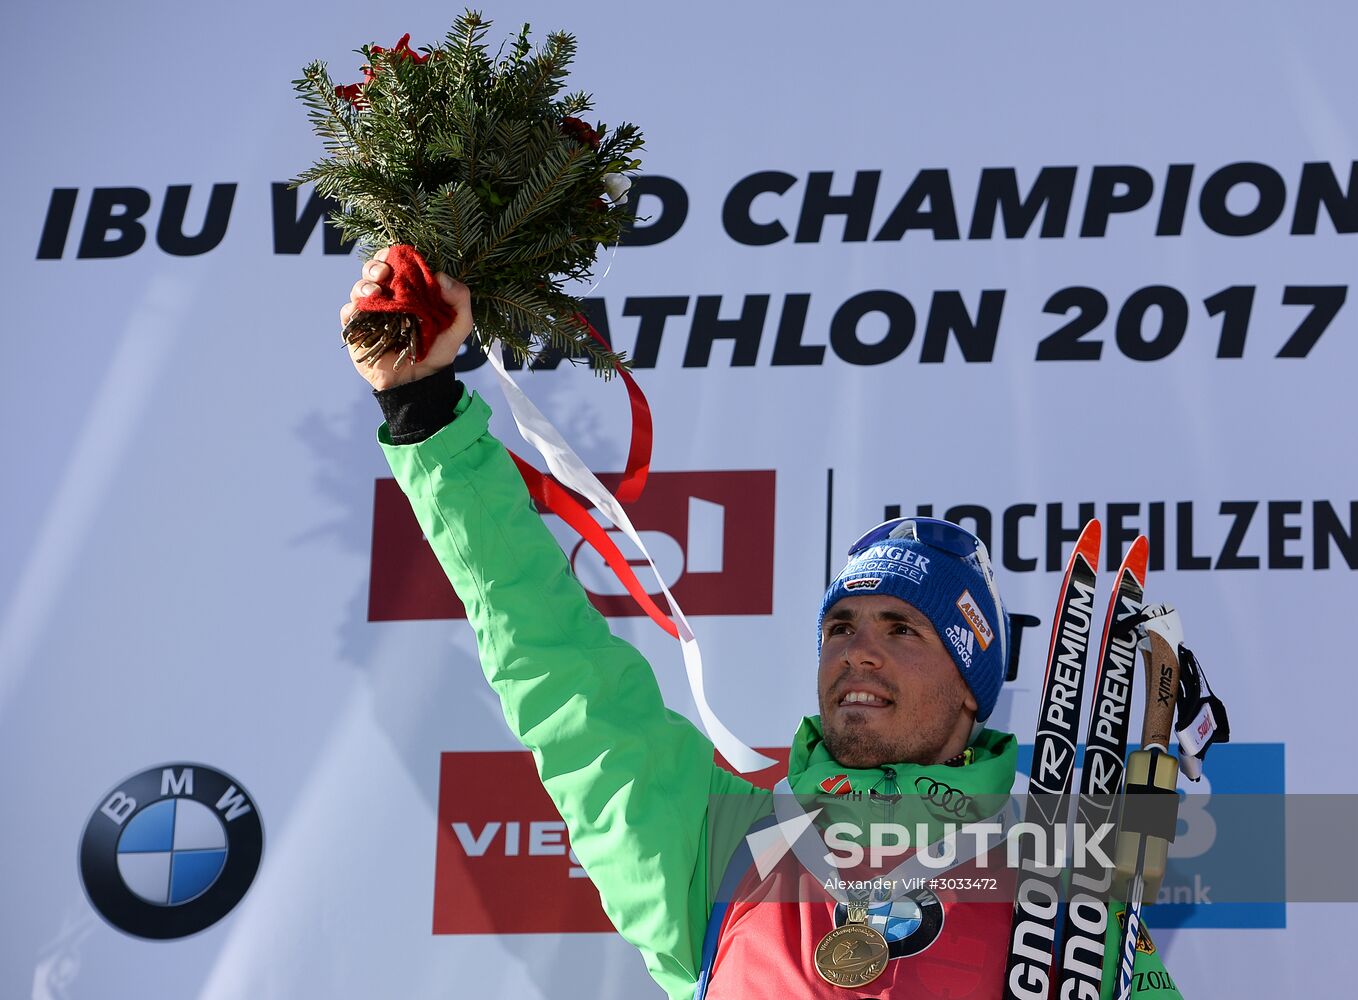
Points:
(631, 779)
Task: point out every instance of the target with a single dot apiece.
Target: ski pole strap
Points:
(1127, 625)
(1202, 719)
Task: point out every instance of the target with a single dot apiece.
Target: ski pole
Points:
(1150, 805)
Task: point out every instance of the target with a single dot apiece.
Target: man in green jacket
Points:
(904, 688)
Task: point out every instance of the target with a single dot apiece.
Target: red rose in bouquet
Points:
(580, 131)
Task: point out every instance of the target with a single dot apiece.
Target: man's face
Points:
(889, 690)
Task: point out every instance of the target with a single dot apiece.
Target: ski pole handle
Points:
(1150, 805)
(1162, 691)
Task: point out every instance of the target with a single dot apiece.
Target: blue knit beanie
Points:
(956, 593)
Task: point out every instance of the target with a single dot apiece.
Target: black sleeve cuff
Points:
(420, 409)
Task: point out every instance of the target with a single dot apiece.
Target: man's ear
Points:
(969, 702)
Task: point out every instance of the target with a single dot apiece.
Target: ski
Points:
(1032, 936)
(1086, 921)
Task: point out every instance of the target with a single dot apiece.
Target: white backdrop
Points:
(190, 465)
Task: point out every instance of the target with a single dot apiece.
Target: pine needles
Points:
(482, 165)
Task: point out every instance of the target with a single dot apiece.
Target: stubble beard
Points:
(853, 744)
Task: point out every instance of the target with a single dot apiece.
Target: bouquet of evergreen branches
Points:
(477, 163)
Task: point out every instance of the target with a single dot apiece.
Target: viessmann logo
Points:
(503, 863)
(710, 533)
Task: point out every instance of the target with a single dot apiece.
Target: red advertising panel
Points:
(503, 863)
(711, 534)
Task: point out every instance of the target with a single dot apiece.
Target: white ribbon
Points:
(573, 473)
(599, 280)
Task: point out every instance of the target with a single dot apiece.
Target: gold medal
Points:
(854, 954)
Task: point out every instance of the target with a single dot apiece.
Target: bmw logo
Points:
(909, 924)
(170, 851)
